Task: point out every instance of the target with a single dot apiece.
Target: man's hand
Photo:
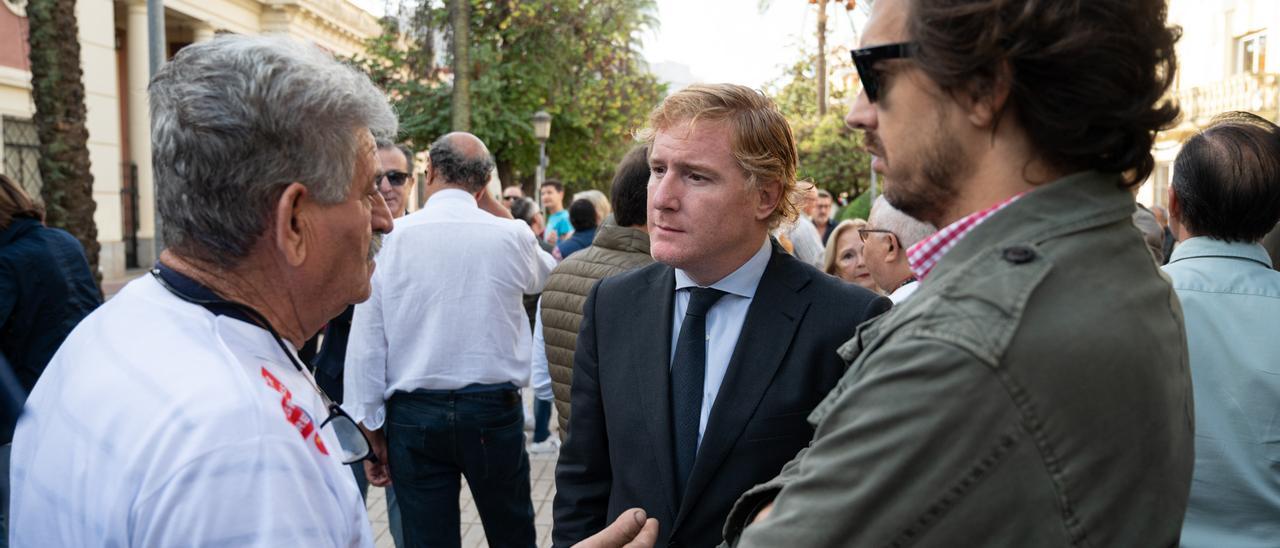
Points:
(378, 474)
(494, 207)
(630, 530)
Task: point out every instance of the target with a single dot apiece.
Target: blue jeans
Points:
(433, 438)
(541, 420)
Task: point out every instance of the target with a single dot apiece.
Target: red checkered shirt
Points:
(923, 256)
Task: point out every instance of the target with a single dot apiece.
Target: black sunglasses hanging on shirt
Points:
(352, 441)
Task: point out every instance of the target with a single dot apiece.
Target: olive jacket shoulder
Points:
(1035, 391)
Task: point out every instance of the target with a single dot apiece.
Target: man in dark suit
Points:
(693, 376)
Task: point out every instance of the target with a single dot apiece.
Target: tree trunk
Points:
(461, 16)
(822, 58)
(507, 174)
(58, 93)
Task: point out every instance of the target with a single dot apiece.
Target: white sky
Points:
(732, 40)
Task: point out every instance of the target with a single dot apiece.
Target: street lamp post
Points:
(541, 131)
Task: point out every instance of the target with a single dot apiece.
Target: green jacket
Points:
(1034, 392)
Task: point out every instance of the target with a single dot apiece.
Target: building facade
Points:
(1222, 66)
(114, 57)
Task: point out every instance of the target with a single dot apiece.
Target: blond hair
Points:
(760, 137)
(829, 261)
(598, 200)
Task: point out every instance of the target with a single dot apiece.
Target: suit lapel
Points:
(653, 379)
(771, 322)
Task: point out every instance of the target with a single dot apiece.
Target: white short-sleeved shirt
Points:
(158, 423)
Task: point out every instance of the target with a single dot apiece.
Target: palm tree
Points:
(821, 69)
(58, 93)
(460, 13)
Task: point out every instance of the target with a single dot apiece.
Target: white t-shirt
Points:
(158, 423)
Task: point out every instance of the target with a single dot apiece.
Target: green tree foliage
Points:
(58, 93)
(577, 59)
(831, 154)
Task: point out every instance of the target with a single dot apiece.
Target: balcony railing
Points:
(1256, 93)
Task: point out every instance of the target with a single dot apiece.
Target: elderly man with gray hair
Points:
(438, 353)
(179, 413)
(885, 240)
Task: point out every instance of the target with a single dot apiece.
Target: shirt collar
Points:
(926, 253)
(1204, 246)
(743, 281)
(903, 291)
(451, 195)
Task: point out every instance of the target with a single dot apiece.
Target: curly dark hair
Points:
(1087, 77)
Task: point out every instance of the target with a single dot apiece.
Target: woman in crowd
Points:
(843, 250)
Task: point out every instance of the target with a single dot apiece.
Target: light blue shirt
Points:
(559, 223)
(724, 322)
(1231, 301)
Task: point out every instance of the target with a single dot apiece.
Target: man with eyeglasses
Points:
(179, 414)
(395, 176)
(885, 241)
(1034, 391)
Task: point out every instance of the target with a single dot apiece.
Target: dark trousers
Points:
(433, 437)
(541, 420)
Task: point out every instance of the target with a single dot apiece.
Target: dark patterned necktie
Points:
(688, 368)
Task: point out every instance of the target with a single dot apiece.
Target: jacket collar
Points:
(621, 238)
(1204, 246)
(18, 227)
(1073, 203)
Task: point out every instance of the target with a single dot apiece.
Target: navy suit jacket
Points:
(619, 453)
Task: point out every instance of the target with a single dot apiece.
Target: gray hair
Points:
(524, 209)
(908, 229)
(236, 119)
(387, 144)
(456, 168)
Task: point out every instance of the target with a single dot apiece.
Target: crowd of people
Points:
(1007, 351)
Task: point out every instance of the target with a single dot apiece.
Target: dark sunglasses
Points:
(865, 60)
(396, 178)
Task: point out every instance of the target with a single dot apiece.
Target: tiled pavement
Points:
(542, 470)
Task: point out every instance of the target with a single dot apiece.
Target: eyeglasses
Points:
(507, 198)
(862, 233)
(865, 60)
(351, 440)
(396, 178)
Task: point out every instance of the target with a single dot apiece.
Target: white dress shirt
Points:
(446, 309)
(724, 322)
(158, 423)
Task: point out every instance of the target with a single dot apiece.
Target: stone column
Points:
(139, 123)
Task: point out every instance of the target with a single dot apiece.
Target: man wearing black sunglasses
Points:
(395, 176)
(1034, 391)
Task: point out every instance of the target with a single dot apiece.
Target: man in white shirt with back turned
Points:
(178, 414)
(437, 355)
